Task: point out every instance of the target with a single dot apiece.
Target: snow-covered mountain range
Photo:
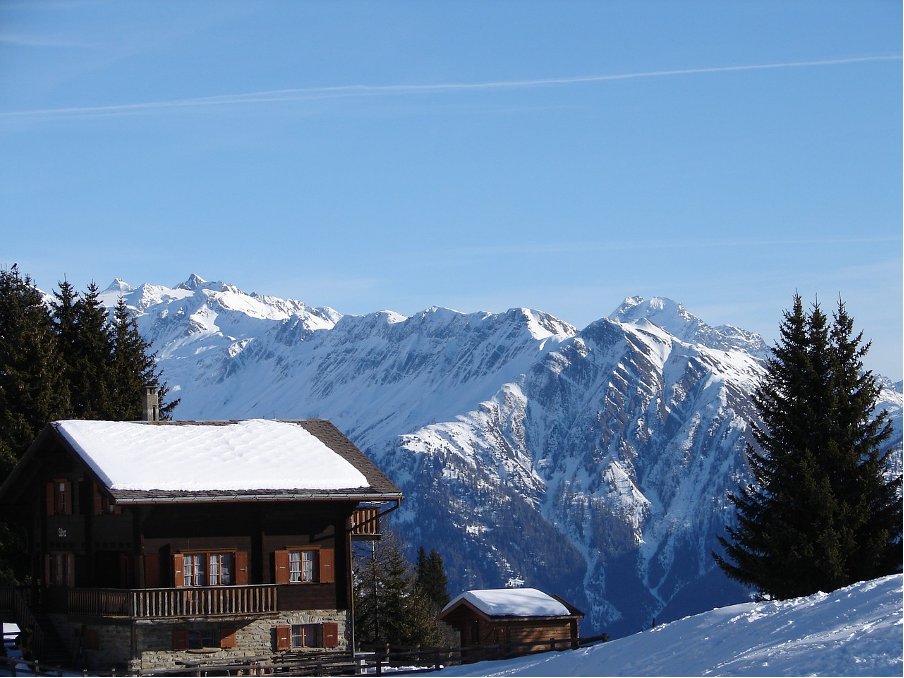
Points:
(589, 463)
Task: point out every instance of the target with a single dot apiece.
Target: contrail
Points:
(344, 91)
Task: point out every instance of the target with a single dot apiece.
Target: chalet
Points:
(154, 544)
(518, 616)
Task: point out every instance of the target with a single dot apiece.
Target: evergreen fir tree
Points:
(430, 576)
(872, 505)
(389, 607)
(134, 367)
(65, 360)
(86, 340)
(32, 392)
(97, 353)
(822, 513)
(32, 388)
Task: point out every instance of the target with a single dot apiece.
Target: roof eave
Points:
(188, 498)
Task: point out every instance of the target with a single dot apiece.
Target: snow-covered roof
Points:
(525, 602)
(209, 456)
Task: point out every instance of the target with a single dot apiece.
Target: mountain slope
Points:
(593, 463)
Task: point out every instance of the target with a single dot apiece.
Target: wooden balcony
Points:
(365, 524)
(206, 601)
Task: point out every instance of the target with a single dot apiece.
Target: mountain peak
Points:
(669, 315)
(194, 282)
(119, 285)
(675, 319)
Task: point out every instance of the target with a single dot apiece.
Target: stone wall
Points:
(110, 645)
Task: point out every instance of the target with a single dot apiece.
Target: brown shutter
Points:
(178, 578)
(281, 565)
(48, 569)
(227, 637)
(283, 637)
(152, 570)
(51, 488)
(180, 639)
(98, 501)
(327, 566)
(92, 639)
(331, 634)
(241, 568)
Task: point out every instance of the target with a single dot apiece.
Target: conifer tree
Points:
(430, 577)
(134, 367)
(65, 359)
(32, 388)
(389, 607)
(86, 341)
(823, 512)
(32, 392)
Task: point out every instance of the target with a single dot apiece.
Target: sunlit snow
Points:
(525, 602)
(856, 631)
(246, 455)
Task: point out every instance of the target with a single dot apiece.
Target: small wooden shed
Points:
(511, 616)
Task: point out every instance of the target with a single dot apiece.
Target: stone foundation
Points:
(111, 644)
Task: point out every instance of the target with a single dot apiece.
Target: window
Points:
(201, 638)
(324, 635)
(59, 569)
(218, 568)
(192, 569)
(301, 566)
(102, 504)
(304, 565)
(59, 497)
(306, 635)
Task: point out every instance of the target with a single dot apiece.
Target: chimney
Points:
(150, 404)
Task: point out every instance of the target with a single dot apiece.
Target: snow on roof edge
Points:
(243, 455)
(523, 602)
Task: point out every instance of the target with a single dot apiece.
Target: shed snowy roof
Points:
(210, 457)
(512, 603)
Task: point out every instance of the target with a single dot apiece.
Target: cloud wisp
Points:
(347, 91)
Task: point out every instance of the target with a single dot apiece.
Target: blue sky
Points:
(475, 155)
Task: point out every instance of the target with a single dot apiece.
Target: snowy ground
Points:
(856, 631)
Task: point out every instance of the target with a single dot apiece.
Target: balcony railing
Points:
(181, 602)
(365, 524)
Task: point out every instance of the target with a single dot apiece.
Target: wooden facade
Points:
(478, 626)
(162, 573)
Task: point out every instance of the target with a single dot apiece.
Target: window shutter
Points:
(48, 570)
(50, 493)
(283, 637)
(241, 568)
(98, 501)
(92, 639)
(227, 637)
(331, 634)
(281, 565)
(151, 570)
(178, 578)
(180, 639)
(327, 566)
